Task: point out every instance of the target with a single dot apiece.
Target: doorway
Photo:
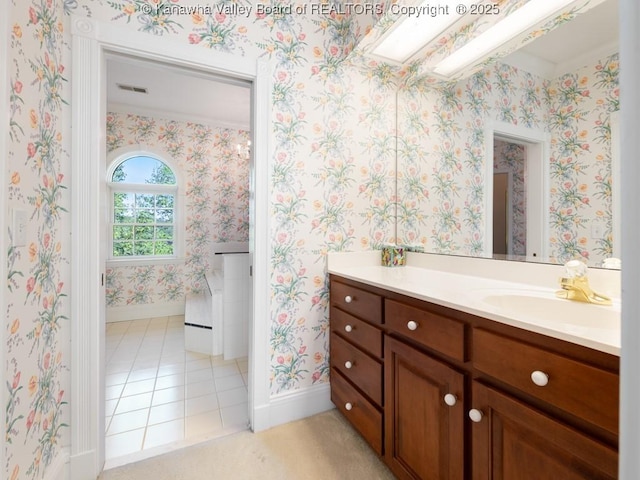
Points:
(162, 390)
(91, 44)
(522, 224)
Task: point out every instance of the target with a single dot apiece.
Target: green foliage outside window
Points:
(143, 222)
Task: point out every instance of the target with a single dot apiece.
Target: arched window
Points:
(143, 198)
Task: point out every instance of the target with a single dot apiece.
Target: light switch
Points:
(19, 227)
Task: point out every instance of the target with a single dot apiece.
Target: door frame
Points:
(92, 41)
(537, 144)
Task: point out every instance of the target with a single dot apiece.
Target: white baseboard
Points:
(59, 468)
(151, 310)
(288, 407)
(83, 466)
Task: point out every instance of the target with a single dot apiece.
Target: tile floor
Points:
(160, 395)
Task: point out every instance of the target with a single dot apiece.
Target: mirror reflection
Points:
(518, 160)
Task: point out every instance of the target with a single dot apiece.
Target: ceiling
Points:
(177, 93)
(577, 40)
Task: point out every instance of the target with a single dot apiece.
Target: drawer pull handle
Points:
(348, 299)
(539, 378)
(348, 406)
(475, 415)
(348, 364)
(450, 399)
(411, 325)
(348, 328)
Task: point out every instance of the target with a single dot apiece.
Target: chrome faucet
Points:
(575, 285)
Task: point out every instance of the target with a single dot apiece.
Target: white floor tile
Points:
(166, 412)
(135, 388)
(142, 374)
(229, 383)
(125, 422)
(203, 424)
(168, 395)
(226, 370)
(123, 443)
(134, 402)
(198, 405)
(232, 397)
(169, 381)
(164, 433)
(199, 389)
(158, 393)
(235, 415)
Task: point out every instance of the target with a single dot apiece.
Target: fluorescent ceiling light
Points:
(513, 25)
(422, 24)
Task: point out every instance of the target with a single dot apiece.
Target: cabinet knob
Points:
(475, 415)
(348, 406)
(450, 399)
(348, 364)
(539, 378)
(348, 299)
(348, 328)
(411, 325)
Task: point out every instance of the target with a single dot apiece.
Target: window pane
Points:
(143, 233)
(122, 249)
(164, 216)
(123, 200)
(164, 201)
(142, 169)
(144, 216)
(164, 233)
(123, 233)
(144, 200)
(144, 248)
(123, 216)
(164, 248)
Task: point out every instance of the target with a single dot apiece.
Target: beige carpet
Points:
(322, 447)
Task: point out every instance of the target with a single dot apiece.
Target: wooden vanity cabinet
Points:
(424, 434)
(463, 397)
(512, 440)
(356, 349)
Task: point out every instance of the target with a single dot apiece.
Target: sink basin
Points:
(543, 305)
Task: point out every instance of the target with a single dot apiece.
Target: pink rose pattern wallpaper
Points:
(332, 179)
(216, 189)
(441, 155)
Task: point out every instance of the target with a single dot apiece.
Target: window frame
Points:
(150, 188)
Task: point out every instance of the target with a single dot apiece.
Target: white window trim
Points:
(116, 158)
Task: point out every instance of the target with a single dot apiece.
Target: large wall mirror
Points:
(542, 123)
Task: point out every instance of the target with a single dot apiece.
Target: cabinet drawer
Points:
(362, 414)
(434, 331)
(580, 389)
(364, 305)
(362, 334)
(357, 366)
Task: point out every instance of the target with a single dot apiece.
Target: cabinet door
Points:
(513, 441)
(423, 434)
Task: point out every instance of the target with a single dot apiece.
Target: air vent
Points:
(131, 88)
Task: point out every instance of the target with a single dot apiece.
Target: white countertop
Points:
(530, 305)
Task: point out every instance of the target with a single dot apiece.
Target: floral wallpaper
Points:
(216, 185)
(510, 157)
(441, 152)
(37, 323)
(580, 105)
(441, 155)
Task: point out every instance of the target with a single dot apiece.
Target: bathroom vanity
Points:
(446, 384)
